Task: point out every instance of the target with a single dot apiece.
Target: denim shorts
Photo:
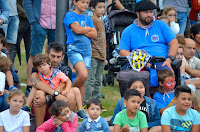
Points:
(75, 55)
(80, 50)
(38, 36)
(12, 29)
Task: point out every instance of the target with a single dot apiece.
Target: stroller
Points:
(118, 20)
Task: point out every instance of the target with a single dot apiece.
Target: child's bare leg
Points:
(31, 96)
(78, 98)
(82, 75)
(71, 100)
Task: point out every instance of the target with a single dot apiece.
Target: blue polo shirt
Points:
(156, 43)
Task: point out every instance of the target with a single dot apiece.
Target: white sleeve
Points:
(26, 121)
(2, 81)
(1, 121)
(175, 27)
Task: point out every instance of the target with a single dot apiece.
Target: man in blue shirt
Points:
(146, 33)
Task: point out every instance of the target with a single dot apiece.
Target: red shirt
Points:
(195, 9)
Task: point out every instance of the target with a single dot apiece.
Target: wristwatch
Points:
(171, 57)
(56, 93)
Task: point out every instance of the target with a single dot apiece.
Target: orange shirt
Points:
(60, 77)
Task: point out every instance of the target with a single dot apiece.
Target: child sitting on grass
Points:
(62, 120)
(148, 106)
(94, 123)
(131, 119)
(181, 117)
(165, 94)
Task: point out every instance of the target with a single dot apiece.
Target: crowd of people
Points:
(57, 101)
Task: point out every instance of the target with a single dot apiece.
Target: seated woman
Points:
(148, 106)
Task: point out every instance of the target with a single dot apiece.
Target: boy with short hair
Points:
(165, 94)
(98, 52)
(181, 117)
(131, 119)
(94, 122)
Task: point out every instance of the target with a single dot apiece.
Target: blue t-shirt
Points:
(180, 123)
(162, 100)
(72, 17)
(156, 43)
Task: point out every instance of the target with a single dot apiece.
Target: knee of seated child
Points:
(39, 93)
(75, 90)
(155, 129)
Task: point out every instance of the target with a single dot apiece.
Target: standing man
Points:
(152, 35)
(42, 18)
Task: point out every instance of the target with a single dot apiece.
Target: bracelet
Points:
(173, 101)
(170, 105)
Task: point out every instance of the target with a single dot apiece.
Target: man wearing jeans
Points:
(42, 18)
(181, 7)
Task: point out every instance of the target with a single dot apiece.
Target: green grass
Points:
(111, 93)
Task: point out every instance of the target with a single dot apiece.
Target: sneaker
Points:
(26, 108)
(82, 114)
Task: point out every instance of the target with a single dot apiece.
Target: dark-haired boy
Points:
(131, 119)
(94, 123)
(181, 117)
(98, 53)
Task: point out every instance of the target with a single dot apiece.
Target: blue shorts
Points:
(12, 29)
(75, 55)
(38, 36)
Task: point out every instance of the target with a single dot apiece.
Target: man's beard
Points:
(145, 22)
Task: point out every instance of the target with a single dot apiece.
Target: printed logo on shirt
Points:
(154, 38)
(98, 125)
(179, 125)
(134, 129)
(82, 24)
(87, 125)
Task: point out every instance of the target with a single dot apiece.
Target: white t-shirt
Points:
(14, 123)
(2, 81)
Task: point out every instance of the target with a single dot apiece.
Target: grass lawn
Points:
(111, 93)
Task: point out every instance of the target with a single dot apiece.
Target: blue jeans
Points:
(94, 80)
(3, 102)
(38, 36)
(192, 22)
(182, 21)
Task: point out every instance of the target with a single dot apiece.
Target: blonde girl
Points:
(14, 119)
(171, 13)
(63, 120)
(4, 67)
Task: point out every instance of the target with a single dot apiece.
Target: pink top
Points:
(48, 14)
(48, 126)
(60, 77)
